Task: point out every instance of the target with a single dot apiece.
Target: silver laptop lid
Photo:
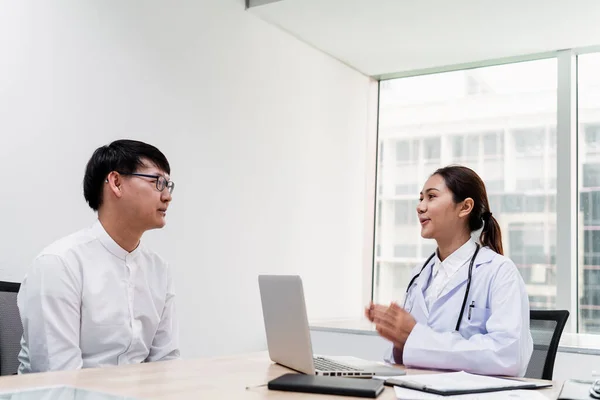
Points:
(286, 323)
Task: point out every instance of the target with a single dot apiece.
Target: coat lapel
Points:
(419, 307)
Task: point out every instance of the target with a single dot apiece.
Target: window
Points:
(513, 104)
(589, 206)
(493, 186)
(465, 147)
(402, 151)
(530, 140)
(431, 149)
(407, 188)
(592, 137)
(407, 151)
(591, 175)
(458, 143)
(526, 244)
(493, 144)
(524, 185)
(403, 250)
(405, 212)
(428, 248)
(531, 249)
(472, 146)
(512, 203)
(591, 249)
(552, 139)
(551, 204)
(533, 171)
(535, 204)
(500, 121)
(589, 191)
(416, 149)
(495, 202)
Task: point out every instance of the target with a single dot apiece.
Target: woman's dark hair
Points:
(124, 156)
(463, 182)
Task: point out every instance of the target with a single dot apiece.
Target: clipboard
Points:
(574, 389)
(495, 385)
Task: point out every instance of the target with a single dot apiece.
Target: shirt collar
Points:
(109, 244)
(457, 259)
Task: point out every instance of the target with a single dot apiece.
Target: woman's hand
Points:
(392, 323)
(372, 309)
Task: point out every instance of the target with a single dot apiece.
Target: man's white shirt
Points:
(86, 302)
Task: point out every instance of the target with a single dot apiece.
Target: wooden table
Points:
(210, 378)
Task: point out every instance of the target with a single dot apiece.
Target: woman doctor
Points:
(466, 308)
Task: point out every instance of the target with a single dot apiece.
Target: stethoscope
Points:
(464, 303)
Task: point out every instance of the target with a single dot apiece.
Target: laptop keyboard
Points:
(324, 364)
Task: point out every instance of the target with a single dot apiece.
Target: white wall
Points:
(266, 137)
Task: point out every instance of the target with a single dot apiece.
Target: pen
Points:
(471, 308)
(411, 385)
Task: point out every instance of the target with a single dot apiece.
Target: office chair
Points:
(546, 328)
(11, 328)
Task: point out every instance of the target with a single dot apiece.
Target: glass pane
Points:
(402, 151)
(529, 140)
(431, 149)
(532, 173)
(589, 192)
(407, 188)
(472, 146)
(591, 175)
(457, 147)
(493, 144)
(403, 250)
(498, 120)
(592, 136)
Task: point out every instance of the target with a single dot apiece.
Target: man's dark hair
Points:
(124, 156)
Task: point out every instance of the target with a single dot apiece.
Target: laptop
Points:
(288, 335)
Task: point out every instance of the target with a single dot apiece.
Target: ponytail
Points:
(491, 235)
(464, 183)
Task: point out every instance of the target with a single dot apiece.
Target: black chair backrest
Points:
(11, 328)
(546, 328)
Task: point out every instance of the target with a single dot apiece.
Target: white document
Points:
(453, 381)
(409, 394)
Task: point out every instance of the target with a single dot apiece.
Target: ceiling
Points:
(380, 37)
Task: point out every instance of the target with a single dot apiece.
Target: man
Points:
(99, 297)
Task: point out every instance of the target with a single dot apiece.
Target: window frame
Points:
(567, 174)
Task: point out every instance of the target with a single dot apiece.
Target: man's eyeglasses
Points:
(161, 181)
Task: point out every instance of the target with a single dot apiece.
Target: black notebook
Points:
(328, 385)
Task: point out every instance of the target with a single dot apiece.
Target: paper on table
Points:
(409, 394)
(452, 381)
